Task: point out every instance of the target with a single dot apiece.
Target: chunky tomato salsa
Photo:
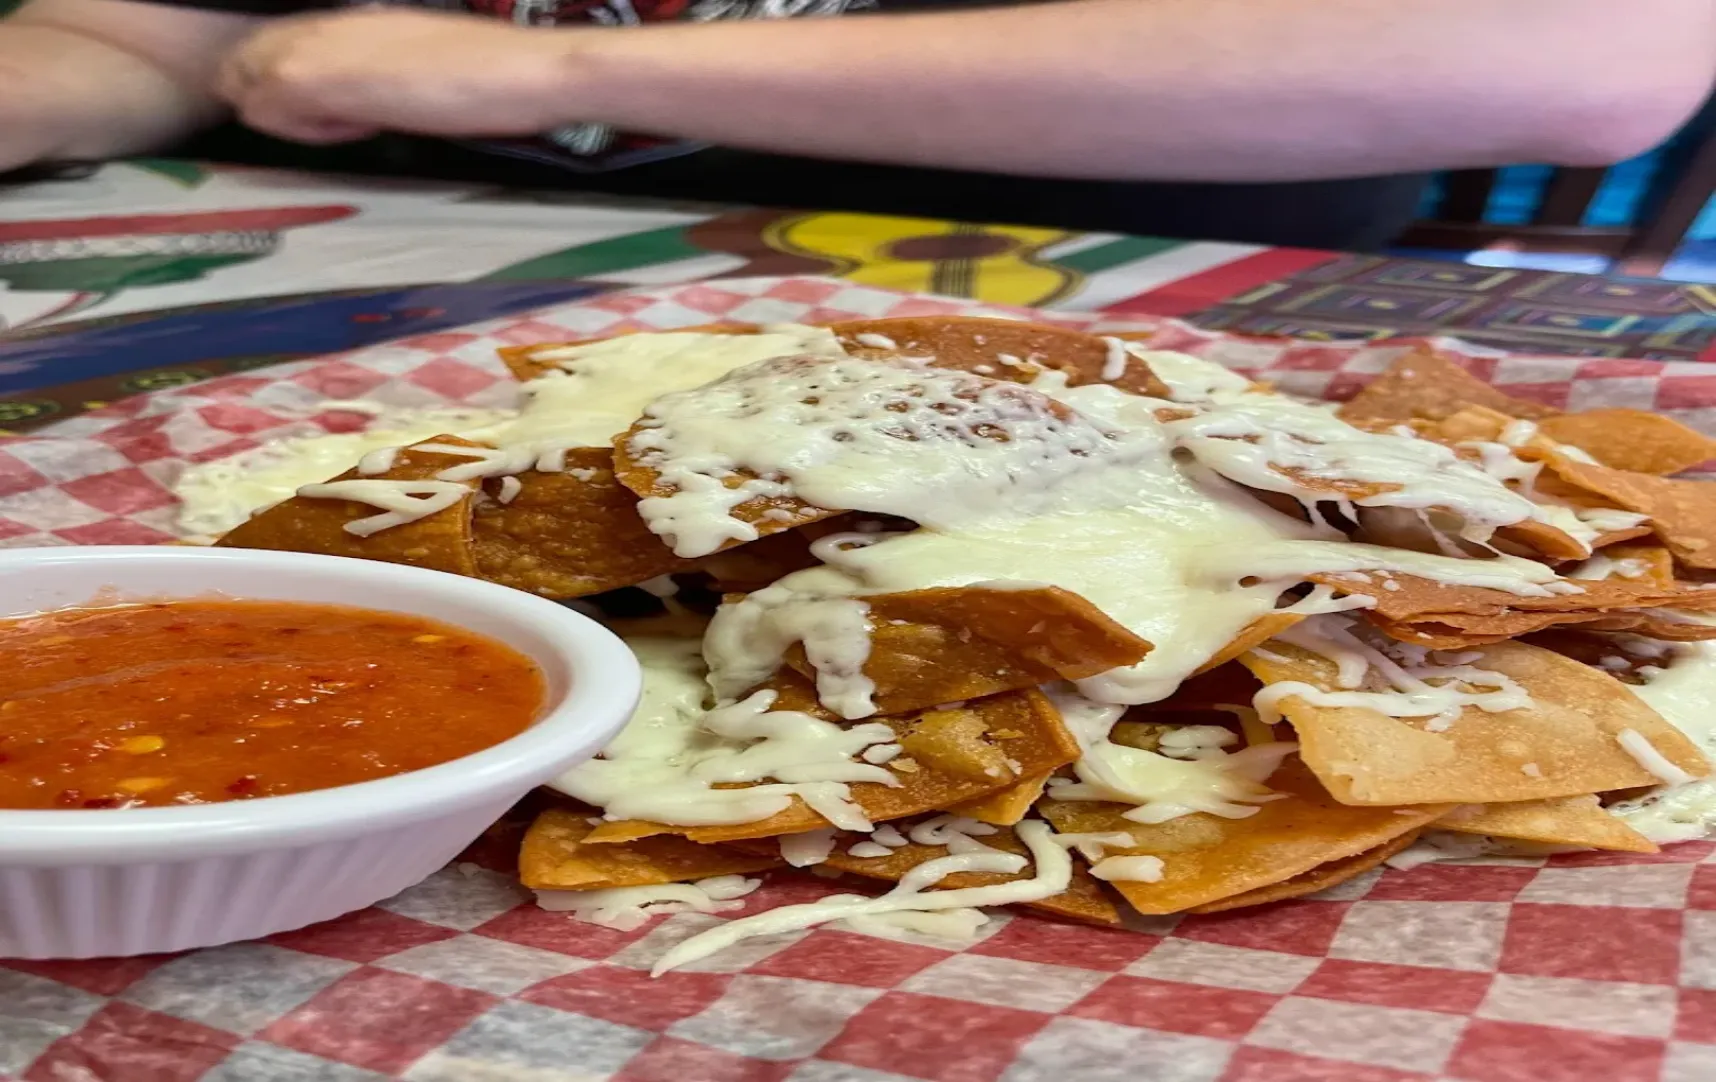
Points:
(188, 702)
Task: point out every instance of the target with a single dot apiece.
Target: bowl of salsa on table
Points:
(199, 746)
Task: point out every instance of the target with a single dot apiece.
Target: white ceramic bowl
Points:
(80, 884)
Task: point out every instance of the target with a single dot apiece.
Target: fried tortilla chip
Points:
(947, 757)
(1001, 349)
(1682, 513)
(1642, 562)
(569, 534)
(954, 643)
(1320, 878)
(756, 564)
(1472, 424)
(1655, 624)
(1622, 439)
(1424, 384)
(440, 541)
(996, 412)
(555, 857)
(1457, 632)
(1206, 858)
(1565, 743)
(1619, 657)
(1084, 900)
(531, 362)
(1627, 439)
(1532, 536)
(1444, 616)
(1569, 820)
(1004, 807)
(760, 563)
(1256, 633)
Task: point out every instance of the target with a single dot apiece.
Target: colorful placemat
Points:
(1567, 969)
(1371, 297)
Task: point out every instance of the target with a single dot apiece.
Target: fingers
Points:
(271, 91)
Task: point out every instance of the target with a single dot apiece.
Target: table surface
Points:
(156, 273)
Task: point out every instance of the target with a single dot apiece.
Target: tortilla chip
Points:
(440, 541)
(1646, 562)
(1464, 632)
(1472, 424)
(1083, 900)
(1256, 633)
(1622, 439)
(1532, 536)
(1004, 807)
(1616, 656)
(950, 644)
(1206, 858)
(1682, 513)
(1627, 439)
(1425, 384)
(1320, 878)
(621, 831)
(1564, 743)
(554, 857)
(529, 362)
(569, 534)
(1443, 616)
(765, 514)
(763, 562)
(635, 461)
(977, 344)
(1661, 624)
(1569, 820)
(949, 757)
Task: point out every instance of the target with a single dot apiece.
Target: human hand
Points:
(339, 77)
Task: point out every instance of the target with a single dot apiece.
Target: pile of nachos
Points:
(1002, 613)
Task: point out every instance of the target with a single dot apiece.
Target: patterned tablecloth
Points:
(1570, 969)
(159, 273)
(1573, 968)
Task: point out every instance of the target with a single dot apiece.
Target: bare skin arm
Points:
(96, 78)
(1135, 89)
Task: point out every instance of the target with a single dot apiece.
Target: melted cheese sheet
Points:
(597, 391)
(1166, 514)
(1683, 690)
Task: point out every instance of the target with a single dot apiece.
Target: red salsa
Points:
(188, 702)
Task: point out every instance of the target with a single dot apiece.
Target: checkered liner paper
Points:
(1571, 969)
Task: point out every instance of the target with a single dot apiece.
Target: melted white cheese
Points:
(1053, 874)
(1684, 693)
(1252, 438)
(1406, 669)
(217, 496)
(664, 766)
(1192, 379)
(600, 389)
(1141, 869)
(400, 501)
(629, 908)
(604, 386)
(931, 445)
(1158, 787)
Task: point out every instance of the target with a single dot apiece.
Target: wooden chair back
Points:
(1673, 198)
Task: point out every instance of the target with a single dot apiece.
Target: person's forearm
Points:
(99, 78)
(69, 97)
(1170, 89)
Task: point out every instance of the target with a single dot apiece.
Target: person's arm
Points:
(96, 78)
(1145, 89)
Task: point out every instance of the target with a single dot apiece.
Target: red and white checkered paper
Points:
(1571, 969)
